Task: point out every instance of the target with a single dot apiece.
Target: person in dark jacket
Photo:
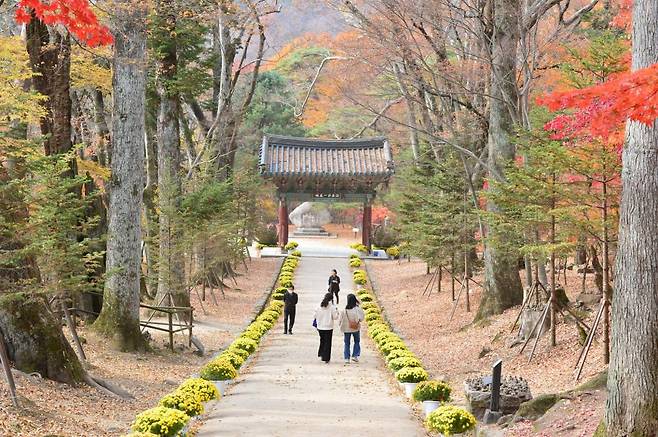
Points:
(334, 284)
(289, 308)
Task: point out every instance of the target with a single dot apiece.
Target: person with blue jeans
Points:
(350, 325)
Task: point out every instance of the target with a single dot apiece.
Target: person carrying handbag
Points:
(350, 325)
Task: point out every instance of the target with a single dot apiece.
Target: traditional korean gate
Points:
(309, 169)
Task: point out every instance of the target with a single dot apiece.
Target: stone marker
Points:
(513, 392)
(493, 413)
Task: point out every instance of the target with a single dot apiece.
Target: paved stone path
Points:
(287, 391)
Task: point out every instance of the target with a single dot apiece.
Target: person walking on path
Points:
(290, 299)
(334, 284)
(350, 325)
(324, 319)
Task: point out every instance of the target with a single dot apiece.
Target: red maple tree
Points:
(75, 15)
(601, 110)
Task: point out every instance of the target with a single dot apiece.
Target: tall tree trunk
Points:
(119, 319)
(171, 290)
(632, 406)
(502, 287)
(50, 56)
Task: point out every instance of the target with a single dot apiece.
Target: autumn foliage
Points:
(603, 108)
(75, 15)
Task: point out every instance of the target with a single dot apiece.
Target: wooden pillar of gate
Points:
(367, 225)
(283, 222)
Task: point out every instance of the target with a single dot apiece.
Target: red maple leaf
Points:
(75, 15)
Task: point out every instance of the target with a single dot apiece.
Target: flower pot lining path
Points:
(288, 391)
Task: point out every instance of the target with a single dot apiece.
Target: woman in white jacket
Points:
(324, 318)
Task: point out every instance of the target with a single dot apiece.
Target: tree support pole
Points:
(4, 357)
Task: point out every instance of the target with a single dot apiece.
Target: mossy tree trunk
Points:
(119, 318)
(34, 338)
(502, 284)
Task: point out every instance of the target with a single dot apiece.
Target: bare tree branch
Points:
(298, 112)
(378, 116)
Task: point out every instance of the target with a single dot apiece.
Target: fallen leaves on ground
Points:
(458, 349)
(50, 408)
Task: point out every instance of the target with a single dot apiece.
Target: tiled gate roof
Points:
(282, 156)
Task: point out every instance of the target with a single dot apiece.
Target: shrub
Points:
(373, 316)
(286, 283)
(411, 374)
(377, 328)
(387, 347)
(297, 253)
(432, 391)
(184, 401)
(385, 336)
(276, 306)
(252, 334)
(218, 370)
(365, 306)
(393, 252)
(291, 245)
(398, 353)
(356, 262)
(260, 246)
(361, 248)
(366, 297)
(266, 323)
(262, 327)
(277, 296)
(287, 268)
(204, 391)
(372, 310)
(285, 276)
(269, 316)
(398, 363)
(246, 344)
(363, 292)
(234, 358)
(355, 245)
(239, 352)
(359, 272)
(353, 255)
(161, 421)
(448, 420)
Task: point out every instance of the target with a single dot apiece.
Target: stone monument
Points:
(513, 392)
(309, 219)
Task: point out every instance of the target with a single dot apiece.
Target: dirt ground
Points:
(50, 408)
(456, 350)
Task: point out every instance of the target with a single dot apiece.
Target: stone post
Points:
(493, 413)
